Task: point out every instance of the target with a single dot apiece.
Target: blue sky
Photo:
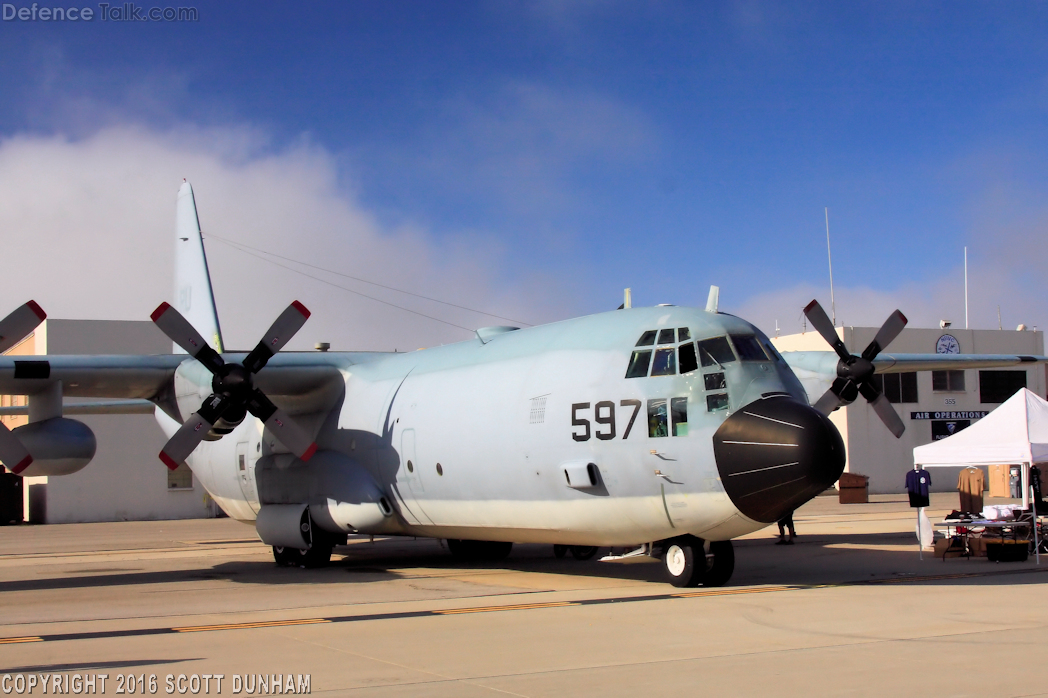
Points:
(536, 158)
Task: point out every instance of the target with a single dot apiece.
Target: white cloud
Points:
(89, 223)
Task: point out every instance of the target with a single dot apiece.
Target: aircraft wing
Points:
(291, 376)
(825, 362)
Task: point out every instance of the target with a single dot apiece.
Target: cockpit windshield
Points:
(716, 351)
(748, 347)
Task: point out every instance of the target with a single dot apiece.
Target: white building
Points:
(932, 404)
(125, 480)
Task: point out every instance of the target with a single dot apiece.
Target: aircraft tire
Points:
(479, 550)
(281, 556)
(719, 572)
(583, 552)
(559, 551)
(317, 556)
(679, 561)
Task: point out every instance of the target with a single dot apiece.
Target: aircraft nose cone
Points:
(775, 454)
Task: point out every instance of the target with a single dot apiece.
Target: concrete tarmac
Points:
(850, 610)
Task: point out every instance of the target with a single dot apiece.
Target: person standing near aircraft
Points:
(786, 522)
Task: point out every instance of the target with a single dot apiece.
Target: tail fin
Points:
(193, 294)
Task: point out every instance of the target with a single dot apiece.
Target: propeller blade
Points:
(179, 446)
(827, 403)
(821, 322)
(20, 323)
(285, 327)
(12, 452)
(886, 335)
(283, 427)
(884, 410)
(178, 329)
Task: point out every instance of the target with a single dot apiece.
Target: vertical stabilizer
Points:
(193, 295)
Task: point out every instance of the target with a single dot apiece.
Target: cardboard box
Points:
(942, 548)
(854, 495)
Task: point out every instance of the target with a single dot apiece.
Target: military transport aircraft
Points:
(665, 430)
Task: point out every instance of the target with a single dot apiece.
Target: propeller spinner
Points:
(13, 328)
(854, 373)
(234, 393)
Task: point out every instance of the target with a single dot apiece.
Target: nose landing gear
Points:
(688, 563)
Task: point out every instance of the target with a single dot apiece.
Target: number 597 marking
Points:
(603, 418)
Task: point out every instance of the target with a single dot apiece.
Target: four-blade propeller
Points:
(13, 328)
(855, 373)
(234, 393)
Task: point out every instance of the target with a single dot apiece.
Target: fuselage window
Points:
(646, 339)
(688, 362)
(683, 334)
(717, 402)
(716, 351)
(715, 381)
(657, 422)
(639, 364)
(748, 347)
(679, 413)
(665, 363)
(666, 336)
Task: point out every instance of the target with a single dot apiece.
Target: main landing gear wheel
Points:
(688, 565)
(479, 550)
(583, 552)
(720, 568)
(317, 556)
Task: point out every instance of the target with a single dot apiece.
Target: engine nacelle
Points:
(342, 495)
(59, 446)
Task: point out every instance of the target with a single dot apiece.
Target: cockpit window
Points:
(639, 363)
(666, 336)
(688, 362)
(771, 352)
(646, 339)
(665, 363)
(748, 347)
(715, 351)
(683, 334)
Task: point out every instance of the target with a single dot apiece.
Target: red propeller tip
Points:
(37, 310)
(309, 452)
(301, 308)
(168, 461)
(160, 310)
(22, 465)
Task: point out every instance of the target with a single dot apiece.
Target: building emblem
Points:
(947, 344)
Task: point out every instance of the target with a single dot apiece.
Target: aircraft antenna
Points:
(965, 287)
(833, 306)
(999, 318)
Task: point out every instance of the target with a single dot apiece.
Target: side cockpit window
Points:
(646, 339)
(748, 347)
(715, 352)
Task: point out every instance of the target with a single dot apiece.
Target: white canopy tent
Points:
(1016, 433)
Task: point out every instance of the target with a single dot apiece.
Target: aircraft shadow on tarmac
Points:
(821, 559)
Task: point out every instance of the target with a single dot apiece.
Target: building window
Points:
(900, 388)
(998, 386)
(948, 381)
(181, 478)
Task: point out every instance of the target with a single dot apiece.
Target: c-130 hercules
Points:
(669, 430)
